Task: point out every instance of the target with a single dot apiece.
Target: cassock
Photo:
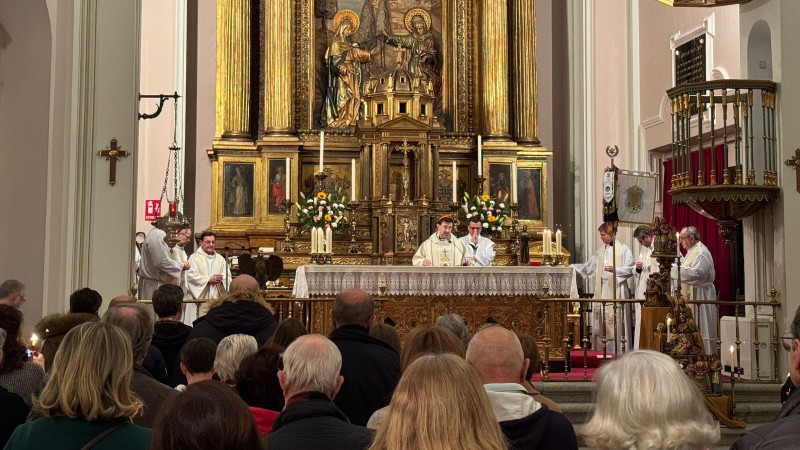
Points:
(203, 266)
(625, 266)
(649, 266)
(156, 266)
(442, 252)
(482, 253)
(697, 283)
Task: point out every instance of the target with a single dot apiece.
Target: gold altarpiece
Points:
(429, 76)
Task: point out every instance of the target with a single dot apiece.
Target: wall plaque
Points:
(690, 61)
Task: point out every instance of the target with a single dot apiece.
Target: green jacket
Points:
(66, 434)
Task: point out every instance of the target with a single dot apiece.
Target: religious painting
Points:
(277, 186)
(338, 173)
(463, 174)
(356, 41)
(238, 190)
(500, 181)
(406, 239)
(531, 192)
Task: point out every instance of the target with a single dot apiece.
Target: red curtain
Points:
(682, 216)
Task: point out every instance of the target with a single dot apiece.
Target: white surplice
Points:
(156, 266)
(202, 267)
(697, 283)
(483, 252)
(649, 266)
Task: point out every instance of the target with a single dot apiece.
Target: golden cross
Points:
(794, 162)
(113, 153)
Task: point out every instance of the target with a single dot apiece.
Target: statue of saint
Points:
(424, 60)
(343, 99)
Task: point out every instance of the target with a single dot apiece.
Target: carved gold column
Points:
(494, 67)
(233, 69)
(278, 78)
(525, 125)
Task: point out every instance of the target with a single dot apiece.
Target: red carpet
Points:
(594, 359)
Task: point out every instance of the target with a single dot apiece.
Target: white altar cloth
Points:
(329, 280)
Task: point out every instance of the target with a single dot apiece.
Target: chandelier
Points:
(174, 220)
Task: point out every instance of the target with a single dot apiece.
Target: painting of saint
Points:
(499, 181)
(238, 184)
(277, 176)
(529, 188)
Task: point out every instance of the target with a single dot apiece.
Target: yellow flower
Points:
(327, 217)
(485, 197)
(492, 218)
(321, 195)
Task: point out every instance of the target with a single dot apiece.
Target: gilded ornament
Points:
(350, 15)
(413, 12)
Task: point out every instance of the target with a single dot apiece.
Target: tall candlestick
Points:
(514, 183)
(455, 186)
(288, 178)
(329, 240)
(313, 241)
(352, 179)
(321, 150)
(558, 242)
(669, 322)
(480, 156)
(678, 240)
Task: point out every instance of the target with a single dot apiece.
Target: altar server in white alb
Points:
(157, 266)
(697, 283)
(209, 276)
(645, 266)
(622, 258)
(481, 248)
(442, 249)
(178, 254)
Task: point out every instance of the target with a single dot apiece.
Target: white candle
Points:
(320, 242)
(329, 240)
(678, 240)
(733, 363)
(321, 150)
(455, 187)
(288, 178)
(546, 242)
(313, 241)
(480, 156)
(34, 339)
(669, 322)
(514, 183)
(558, 242)
(352, 179)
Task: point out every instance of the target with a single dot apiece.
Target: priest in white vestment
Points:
(481, 248)
(697, 283)
(613, 253)
(209, 276)
(645, 266)
(156, 266)
(442, 249)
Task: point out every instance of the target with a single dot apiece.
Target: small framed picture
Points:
(238, 190)
(531, 179)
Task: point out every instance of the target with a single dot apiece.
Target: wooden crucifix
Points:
(794, 162)
(405, 148)
(113, 153)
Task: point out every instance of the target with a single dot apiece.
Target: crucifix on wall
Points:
(113, 153)
(794, 162)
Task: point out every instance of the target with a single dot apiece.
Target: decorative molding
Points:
(707, 27)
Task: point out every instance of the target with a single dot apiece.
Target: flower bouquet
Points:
(492, 212)
(322, 210)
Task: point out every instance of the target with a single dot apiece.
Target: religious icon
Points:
(529, 188)
(500, 181)
(277, 186)
(238, 190)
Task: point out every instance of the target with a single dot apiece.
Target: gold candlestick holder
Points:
(353, 247)
(454, 209)
(479, 181)
(319, 184)
(547, 260)
(288, 245)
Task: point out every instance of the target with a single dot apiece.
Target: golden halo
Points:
(350, 15)
(417, 12)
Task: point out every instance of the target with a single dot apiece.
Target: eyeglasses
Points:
(474, 228)
(787, 340)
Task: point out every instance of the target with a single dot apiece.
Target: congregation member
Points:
(457, 325)
(370, 366)
(646, 265)
(243, 310)
(440, 404)
(197, 361)
(12, 293)
(208, 415)
(170, 333)
(137, 323)
(784, 432)
(481, 248)
(663, 408)
(257, 384)
(157, 266)
(531, 352)
(697, 283)
(613, 254)
(421, 341)
(19, 374)
(442, 248)
(14, 411)
(230, 353)
(288, 330)
(209, 275)
(387, 334)
(496, 354)
(87, 402)
(83, 307)
(310, 380)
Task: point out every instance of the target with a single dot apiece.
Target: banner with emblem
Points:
(636, 197)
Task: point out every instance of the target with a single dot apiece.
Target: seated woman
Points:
(88, 398)
(19, 374)
(257, 384)
(230, 353)
(440, 403)
(207, 415)
(663, 408)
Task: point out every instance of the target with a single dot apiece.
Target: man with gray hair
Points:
(456, 324)
(12, 293)
(310, 380)
(697, 283)
(137, 323)
(496, 354)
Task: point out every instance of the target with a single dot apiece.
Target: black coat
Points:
(169, 337)
(13, 413)
(311, 421)
(544, 429)
(229, 318)
(371, 370)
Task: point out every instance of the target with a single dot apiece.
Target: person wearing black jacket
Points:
(170, 333)
(370, 366)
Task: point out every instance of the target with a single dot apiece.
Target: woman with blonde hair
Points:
(87, 401)
(230, 353)
(645, 401)
(440, 404)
